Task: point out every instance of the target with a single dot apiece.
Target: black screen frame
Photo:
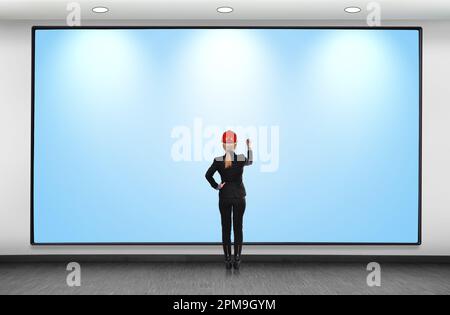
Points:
(32, 168)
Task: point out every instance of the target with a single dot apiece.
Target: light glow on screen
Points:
(128, 120)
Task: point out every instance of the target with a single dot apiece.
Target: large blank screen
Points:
(127, 121)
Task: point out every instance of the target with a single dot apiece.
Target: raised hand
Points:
(249, 144)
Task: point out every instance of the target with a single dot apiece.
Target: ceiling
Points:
(243, 9)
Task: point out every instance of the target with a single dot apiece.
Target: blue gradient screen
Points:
(127, 121)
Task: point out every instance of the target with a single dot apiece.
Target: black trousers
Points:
(232, 212)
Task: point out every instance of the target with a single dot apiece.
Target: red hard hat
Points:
(229, 137)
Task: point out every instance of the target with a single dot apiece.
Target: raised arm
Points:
(210, 175)
(249, 159)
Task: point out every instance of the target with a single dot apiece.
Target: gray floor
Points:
(211, 278)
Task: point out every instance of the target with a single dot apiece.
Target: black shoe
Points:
(228, 263)
(237, 263)
(227, 252)
(237, 256)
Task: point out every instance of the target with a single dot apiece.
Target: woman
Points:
(231, 194)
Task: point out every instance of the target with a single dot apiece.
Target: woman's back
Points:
(231, 176)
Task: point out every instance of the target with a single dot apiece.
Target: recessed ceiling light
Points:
(225, 10)
(353, 10)
(100, 10)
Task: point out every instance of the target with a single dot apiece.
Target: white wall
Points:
(15, 82)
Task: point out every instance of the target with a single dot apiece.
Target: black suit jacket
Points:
(232, 177)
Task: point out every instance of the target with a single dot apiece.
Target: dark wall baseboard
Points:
(218, 258)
